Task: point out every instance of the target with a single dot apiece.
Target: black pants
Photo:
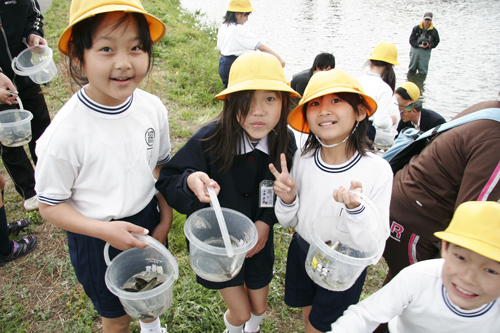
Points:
(15, 159)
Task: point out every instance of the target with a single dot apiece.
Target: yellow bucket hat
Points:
(256, 71)
(385, 51)
(83, 9)
(324, 83)
(240, 6)
(475, 226)
(412, 89)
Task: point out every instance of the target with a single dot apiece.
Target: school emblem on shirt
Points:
(150, 137)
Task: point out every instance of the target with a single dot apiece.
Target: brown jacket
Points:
(461, 164)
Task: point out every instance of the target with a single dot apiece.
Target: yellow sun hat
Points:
(240, 6)
(475, 226)
(256, 71)
(412, 89)
(324, 83)
(385, 51)
(83, 9)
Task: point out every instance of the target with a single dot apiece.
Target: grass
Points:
(40, 293)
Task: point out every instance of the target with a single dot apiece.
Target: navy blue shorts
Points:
(87, 258)
(256, 272)
(301, 291)
(225, 63)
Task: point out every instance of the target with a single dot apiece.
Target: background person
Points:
(424, 37)
(379, 83)
(234, 39)
(322, 62)
(458, 165)
(22, 23)
(11, 250)
(419, 118)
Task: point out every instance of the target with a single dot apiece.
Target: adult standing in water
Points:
(233, 39)
(424, 37)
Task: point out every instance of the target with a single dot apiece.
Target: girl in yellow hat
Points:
(94, 176)
(334, 113)
(232, 154)
(234, 39)
(380, 83)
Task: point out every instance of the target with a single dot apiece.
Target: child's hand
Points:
(349, 199)
(197, 182)
(263, 234)
(118, 235)
(284, 186)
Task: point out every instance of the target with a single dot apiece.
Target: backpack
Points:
(411, 142)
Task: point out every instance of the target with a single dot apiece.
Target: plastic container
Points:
(37, 63)
(338, 269)
(208, 255)
(15, 127)
(155, 258)
(384, 138)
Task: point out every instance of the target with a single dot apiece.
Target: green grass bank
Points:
(39, 293)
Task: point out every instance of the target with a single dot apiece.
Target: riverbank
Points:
(39, 293)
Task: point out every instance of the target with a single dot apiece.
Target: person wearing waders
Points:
(424, 37)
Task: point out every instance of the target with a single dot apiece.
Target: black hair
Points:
(356, 141)
(418, 106)
(403, 93)
(230, 17)
(82, 38)
(323, 61)
(229, 134)
(389, 76)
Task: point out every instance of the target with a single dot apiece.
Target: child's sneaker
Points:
(31, 204)
(17, 226)
(19, 248)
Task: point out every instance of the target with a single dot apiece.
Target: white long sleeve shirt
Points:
(416, 301)
(316, 182)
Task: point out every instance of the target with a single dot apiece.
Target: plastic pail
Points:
(15, 127)
(384, 138)
(208, 255)
(338, 269)
(155, 258)
(35, 62)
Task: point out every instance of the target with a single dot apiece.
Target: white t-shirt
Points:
(316, 182)
(236, 39)
(415, 301)
(381, 92)
(99, 158)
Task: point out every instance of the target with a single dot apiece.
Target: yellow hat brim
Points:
(157, 28)
(258, 84)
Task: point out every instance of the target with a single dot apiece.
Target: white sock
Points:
(152, 327)
(253, 325)
(231, 328)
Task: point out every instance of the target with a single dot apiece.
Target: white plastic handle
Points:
(153, 243)
(222, 223)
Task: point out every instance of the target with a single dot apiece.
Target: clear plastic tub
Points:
(341, 247)
(15, 127)
(37, 63)
(153, 258)
(208, 255)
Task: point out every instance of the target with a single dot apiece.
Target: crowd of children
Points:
(104, 171)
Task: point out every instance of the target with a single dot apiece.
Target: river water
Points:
(464, 68)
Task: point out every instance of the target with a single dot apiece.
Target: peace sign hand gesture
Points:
(284, 186)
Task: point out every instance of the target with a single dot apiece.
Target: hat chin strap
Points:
(336, 144)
